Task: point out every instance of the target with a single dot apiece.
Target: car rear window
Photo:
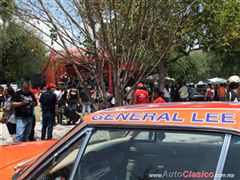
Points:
(153, 154)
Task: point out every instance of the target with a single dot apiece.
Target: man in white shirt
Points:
(166, 94)
(183, 93)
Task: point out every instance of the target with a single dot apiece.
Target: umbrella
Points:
(217, 80)
(155, 77)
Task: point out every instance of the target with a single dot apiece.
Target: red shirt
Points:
(159, 100)
(141, 96)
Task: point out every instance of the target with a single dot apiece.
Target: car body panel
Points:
(20, 154)
(221, 117)
(62, 141)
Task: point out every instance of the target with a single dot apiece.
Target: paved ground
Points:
(58, 132)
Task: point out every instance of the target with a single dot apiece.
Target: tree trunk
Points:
(161, 72)
(117, 89)
(118, 95)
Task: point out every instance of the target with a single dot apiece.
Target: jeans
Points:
(23, 129)
(48, 120)
(86, 107)
(32, 133)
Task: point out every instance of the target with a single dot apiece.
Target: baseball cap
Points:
(51, 85)
(140, 85)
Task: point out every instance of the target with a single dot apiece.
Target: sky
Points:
(43, 27)
(54, 10)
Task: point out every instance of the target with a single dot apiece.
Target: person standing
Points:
(73, 99)
(209, 93)
(57, 91)
(32, 133)
(61, 102)
(183, 93)
(1, 97)
(48, 101)
(233, 94)
(166, 94)
(221, 92)
(9, 112)
(110, 99)
(141, 96)
(129, 95)
(174, 93)
(86, 101)
(23, 102)
(191, 91)
(65, 79)
(158, 96)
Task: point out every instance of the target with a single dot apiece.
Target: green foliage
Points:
(53, 34)
(215, 27)
(202, 66)
(230, 62)
(220, 21)
(150, 31)
(183, 70)
(22, 54)
(6, 9)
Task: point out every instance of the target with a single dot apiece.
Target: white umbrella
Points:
(155, 77)
(217, 80)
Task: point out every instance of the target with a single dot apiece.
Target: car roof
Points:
(218, 115)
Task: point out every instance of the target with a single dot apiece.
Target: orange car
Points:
(154, 141)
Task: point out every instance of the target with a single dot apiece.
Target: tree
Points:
(220, 24)
(136, 34)
(139, 34)
(22, 54)
(197, 66)
(214, 28)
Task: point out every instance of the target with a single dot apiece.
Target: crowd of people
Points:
(229, 91)
(19, 107)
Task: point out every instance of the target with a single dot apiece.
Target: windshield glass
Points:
(149, 154)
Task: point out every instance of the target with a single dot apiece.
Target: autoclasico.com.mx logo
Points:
(190, 174)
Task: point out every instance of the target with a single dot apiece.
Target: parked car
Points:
(171, 140)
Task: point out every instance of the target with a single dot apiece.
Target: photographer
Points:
(23, 102)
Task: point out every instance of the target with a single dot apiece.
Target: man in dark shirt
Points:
(48, 102)
(85, 98)
(23, 102)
